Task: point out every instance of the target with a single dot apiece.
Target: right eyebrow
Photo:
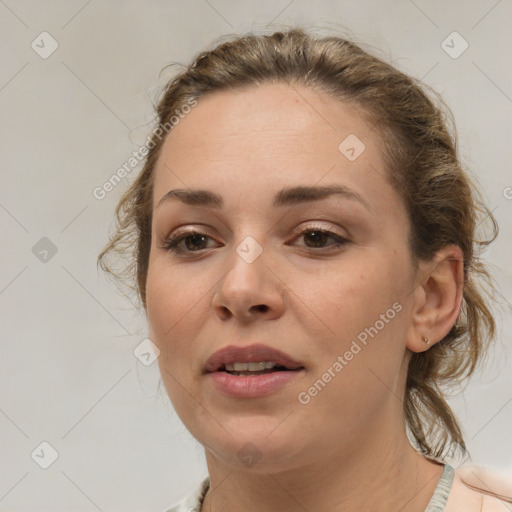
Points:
(193, 197)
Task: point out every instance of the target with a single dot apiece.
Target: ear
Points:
(437, 298)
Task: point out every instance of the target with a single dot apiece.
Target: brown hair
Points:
(419, 145)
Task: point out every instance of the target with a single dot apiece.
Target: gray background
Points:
(68, 373)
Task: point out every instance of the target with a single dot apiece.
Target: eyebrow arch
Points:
(285, 197)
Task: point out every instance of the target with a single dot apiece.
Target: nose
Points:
(250, 291)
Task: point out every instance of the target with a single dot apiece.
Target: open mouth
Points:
(251, 372)
(253, 369)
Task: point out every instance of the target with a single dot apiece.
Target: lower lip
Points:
(251, 386)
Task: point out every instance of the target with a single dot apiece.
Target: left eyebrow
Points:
(285, 197)
(303, 194)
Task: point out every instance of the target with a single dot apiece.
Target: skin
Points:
(346, 449)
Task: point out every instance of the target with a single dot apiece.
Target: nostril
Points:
(261, 307)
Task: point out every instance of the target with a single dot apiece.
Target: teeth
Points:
(251, 367)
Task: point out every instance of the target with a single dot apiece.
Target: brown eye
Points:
(318, 238)
(194, 241)
(315, 238)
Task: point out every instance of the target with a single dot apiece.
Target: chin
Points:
(255, 445)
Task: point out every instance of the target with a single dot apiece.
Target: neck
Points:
(380, 475)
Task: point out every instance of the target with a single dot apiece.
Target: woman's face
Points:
(325, 279)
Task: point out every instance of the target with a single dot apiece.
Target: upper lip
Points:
(249, 354)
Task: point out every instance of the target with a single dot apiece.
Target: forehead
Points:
(269, 137)
(255, 115)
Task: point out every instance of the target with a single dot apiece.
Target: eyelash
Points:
(171, 244)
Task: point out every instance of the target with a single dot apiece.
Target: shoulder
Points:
(192, 501)
(471, 487)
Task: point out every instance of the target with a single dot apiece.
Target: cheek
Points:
(365, 308)
(361, 316)
(349, 295)
(172, 304)
(170, 295)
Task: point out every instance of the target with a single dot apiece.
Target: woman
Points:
(305, 254)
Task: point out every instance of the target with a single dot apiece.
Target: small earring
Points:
(426, 340)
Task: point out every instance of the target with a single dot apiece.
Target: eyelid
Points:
(188, 230)
(298, 231)
(321, 227)
(181, 233)
(171, 243)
